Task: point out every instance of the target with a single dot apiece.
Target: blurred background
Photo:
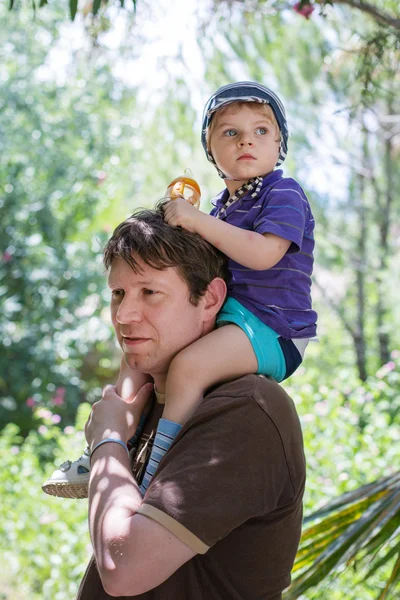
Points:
(98, 113)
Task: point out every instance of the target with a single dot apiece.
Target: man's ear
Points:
(214, 297)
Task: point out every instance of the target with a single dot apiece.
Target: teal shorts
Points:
(277, 358)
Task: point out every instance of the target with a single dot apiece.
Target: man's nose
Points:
(128, 312)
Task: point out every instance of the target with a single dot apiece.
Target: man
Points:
(221, 518)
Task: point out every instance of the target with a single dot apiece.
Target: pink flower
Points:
(56, 418)
(101, 177)
(44, 413)
(68, 429)
(42, 429)
(30, 402)
(58, 401)
(7, 257)
(303, 9)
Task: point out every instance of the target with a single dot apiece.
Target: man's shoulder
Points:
(261, 410)
(257, 392)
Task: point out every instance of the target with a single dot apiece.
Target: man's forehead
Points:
(121, 272)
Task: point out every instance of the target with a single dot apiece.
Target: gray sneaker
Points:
(71, 479)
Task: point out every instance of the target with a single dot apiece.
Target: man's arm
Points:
(133, 553)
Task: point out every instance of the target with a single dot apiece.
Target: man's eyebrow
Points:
(117, 282)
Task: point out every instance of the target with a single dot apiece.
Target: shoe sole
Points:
(75, 491)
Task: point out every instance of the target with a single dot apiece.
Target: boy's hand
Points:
(181, 213)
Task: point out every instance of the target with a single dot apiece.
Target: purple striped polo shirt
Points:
(280, 296)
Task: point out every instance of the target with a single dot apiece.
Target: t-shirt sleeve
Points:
(227, 466)
(284, 213)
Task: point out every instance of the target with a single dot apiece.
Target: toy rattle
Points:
(185, 187)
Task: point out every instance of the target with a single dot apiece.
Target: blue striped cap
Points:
(245, 91)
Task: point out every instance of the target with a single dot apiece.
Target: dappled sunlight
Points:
(97, 118)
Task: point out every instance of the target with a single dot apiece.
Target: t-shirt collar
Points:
(221, 199)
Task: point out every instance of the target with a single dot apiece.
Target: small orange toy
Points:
(185, 187)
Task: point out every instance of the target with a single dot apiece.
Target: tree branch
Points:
(379, 15)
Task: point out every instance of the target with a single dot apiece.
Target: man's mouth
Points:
(134, 340)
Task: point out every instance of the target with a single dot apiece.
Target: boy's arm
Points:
(252, 250)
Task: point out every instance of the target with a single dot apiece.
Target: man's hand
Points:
(181, 213)
(114, 417)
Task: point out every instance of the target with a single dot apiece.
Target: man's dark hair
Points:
(159, 245)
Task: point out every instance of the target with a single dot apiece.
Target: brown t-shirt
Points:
(230, 488)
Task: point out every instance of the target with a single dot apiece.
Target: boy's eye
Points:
(230, 132)
(147, 292)
(261, 130)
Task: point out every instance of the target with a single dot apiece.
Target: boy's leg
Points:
(71, 479)
(128, 384)
(222, 355)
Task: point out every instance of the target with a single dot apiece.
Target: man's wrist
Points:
(106, 435)
(109, 440)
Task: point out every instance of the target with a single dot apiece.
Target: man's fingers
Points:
(109, 391)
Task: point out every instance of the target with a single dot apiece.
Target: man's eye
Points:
(147, 292)
(117, 293)
(230, 132)
(261, 130)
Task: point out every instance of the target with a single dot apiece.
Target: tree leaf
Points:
(73, 7)
(96, 6)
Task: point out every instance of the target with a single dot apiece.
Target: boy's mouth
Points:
(247, 157)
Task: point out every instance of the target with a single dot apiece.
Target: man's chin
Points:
(145, 365)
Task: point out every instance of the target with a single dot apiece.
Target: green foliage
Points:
(351, 434)
(44, 541)
(64, 155)
(362, 526)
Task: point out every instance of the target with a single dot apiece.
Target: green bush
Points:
(44, 541)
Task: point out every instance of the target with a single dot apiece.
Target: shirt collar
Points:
(269, 179)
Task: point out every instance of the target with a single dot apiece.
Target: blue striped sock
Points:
(134, 440)
(165, 435)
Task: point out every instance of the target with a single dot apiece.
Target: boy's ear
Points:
(214, 297)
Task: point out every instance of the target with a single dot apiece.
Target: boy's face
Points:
(244, 142)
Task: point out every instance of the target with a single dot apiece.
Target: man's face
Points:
(244, 142)
(152, 315)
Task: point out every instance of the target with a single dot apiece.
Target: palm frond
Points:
(351, 528)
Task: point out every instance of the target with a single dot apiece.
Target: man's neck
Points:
(159, 382)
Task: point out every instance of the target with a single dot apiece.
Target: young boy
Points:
(263, 223)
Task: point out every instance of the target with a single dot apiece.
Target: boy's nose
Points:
(245, 140)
